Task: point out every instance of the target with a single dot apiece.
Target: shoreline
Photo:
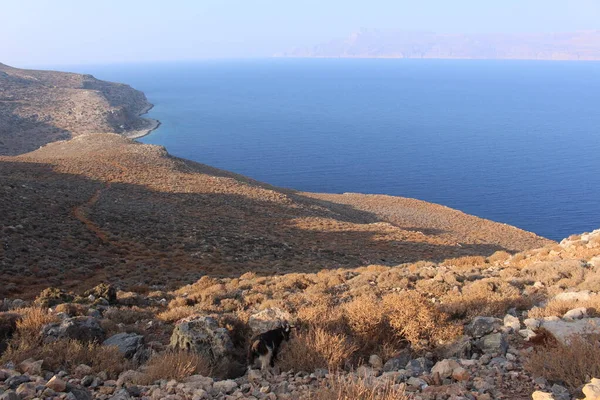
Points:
(153, 124)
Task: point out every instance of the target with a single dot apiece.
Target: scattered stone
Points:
(583, 295)
(398, 362)
(562, 329)
(56, 384)
(493, 343)
(537, 395)
(31, 366)
(445, 368)
(532, 323)
(226, 386)
(419, 366)
(512, 322)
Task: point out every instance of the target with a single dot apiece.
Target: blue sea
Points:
(512, 141)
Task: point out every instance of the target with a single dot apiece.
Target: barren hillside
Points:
(39, 107)
(101, 206)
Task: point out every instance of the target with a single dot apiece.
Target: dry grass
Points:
(30, 325)
(345, 388)
(490, 297)
(560, 307)
(66, 355)
(174, 365)
(572, 365)
(316, 348)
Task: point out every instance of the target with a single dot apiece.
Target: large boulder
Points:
(268, 319)
(592, 390)
(562, 329)
(85, 329)
(129, 344)
(203, 335)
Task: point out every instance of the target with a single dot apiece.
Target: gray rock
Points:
(9, 395)
(419, 366)
(492, 343)
(576, 313)
(268, 319)
(79, 393)
(481, 326)
(397, 363)
(583, 295)
(459, 348)
(560, 392)
(512, 322)
(226, 386)
(202, 335)
(445, 368)
(375, 361)
(562, 330)
(127, 343)
(532, 323)
(85, 329)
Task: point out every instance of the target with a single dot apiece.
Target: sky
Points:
(72, 32)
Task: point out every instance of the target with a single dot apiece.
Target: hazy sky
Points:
(55, 32)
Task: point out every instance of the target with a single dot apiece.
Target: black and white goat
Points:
(265, 346)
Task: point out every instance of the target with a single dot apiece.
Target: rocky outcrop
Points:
(85, 329)
(268, 319)
(203, 335)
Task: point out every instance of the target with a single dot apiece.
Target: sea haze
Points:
(512, 141)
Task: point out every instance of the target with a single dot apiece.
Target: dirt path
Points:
(80, 213)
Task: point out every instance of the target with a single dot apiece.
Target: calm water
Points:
(513, 141)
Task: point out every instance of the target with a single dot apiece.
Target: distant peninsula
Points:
(372, 43)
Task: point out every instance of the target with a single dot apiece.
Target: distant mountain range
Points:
(368, 43)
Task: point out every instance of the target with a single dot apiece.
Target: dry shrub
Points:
(72, 309)
(416, 320)
(572, 365)
(30, 325)
(565, 273)
(340, 387)
(490, 297)
(67, 354)
(466, 262)
(432, 287)
(316, 348)
(498, 257)
(365, 317)
(176, 365)
(559, 307)
(175, 314)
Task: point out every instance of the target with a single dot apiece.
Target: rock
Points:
(481, 326)
(366, 372)
(493, 343)
(375, 361)
(85, 329)
(416, 382)
(419, 366)
(31, 366)
(460, 374)
(537, 395)
(127, 343)
(202, 335)
(560, 392)
(56, 384)
(26, 390)
(532, 323)
(9, 395)
(128, 377)
(82, 370)
(512, 322)
(398, 362)
(527, 334)
(459, 348)
(562, 329)
(445, 368)
(592, 390)
(226, 386)
(576, 313)
(583, 295)
(268, 319)
(79, 393)
(105, 291)
(122, 394)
